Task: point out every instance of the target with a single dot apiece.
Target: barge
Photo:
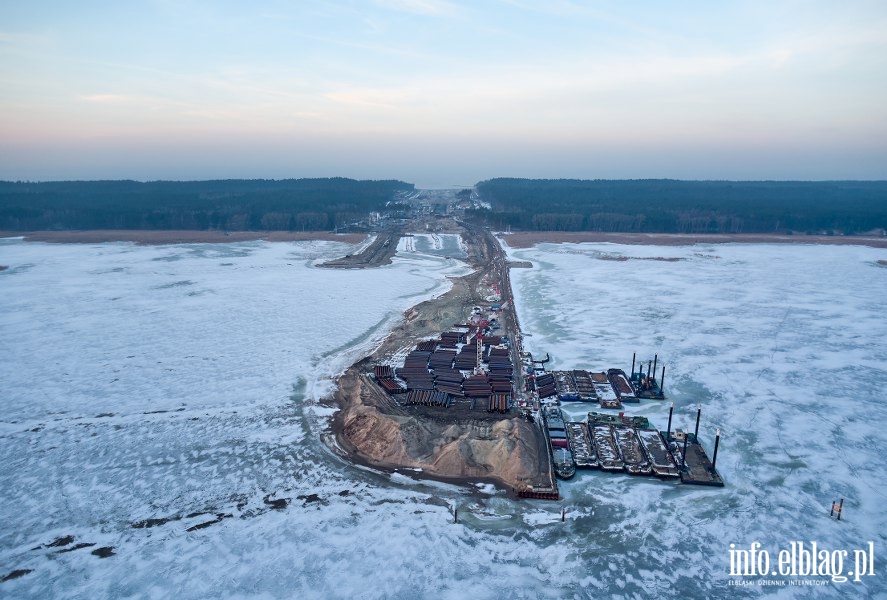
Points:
(583, 449)
(557, 429)
(561, 455)
(661, 460)
(606, 394)
(693, 463)
(646, 384)
(605, 447)
(630, 450)
(622, 386)
(584, 386)
(566, 387)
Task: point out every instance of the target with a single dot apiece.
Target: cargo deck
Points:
(696, 468)
(661, 460)
(582, 446)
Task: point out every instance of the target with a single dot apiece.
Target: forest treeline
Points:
(234, 204)
(671, 206)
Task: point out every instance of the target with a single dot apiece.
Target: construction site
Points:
(452, 394)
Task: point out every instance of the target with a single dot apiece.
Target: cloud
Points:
(434, 8)
(23, 38)
(377, 97)
(106, 98)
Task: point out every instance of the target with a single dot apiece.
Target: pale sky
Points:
(443, 92)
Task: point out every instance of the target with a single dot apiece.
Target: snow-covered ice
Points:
(159, 400)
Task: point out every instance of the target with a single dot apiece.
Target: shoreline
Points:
(528, 239)
(520, 239)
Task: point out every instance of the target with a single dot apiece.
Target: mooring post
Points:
(698, 414)
(655, 360)
(684, 452)
(649, 372)
(563, 515)
(668, 429)
(455, 515)
(840, 509)
(714, 458)
(633, 356)
(662, 383)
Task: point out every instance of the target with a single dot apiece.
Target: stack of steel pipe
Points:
(427, 346)
(467, 357)
(492, 340)
(500, 384)
(545, 385)
(449, 381)
(441, 359)
(417, 379)
(391, 385)
(385, 376)
(427, 398)
(417, 358)
(383, 371)
(415, 371)
(477, 385)
(449, 339)
(500, 362)
(498, 402)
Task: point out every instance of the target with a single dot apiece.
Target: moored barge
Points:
(561, 456)
(580, 442)
(584, 385)
(621, 385)
(661, 460)
(566, 387)
(608, 455)
(606, 394)
(630, 450)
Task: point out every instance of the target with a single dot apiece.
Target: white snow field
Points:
(159, 400)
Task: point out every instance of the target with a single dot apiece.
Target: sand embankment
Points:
(446, 444)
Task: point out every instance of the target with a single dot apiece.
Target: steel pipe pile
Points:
(545, 385)
(427, 398)
(477, 385)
